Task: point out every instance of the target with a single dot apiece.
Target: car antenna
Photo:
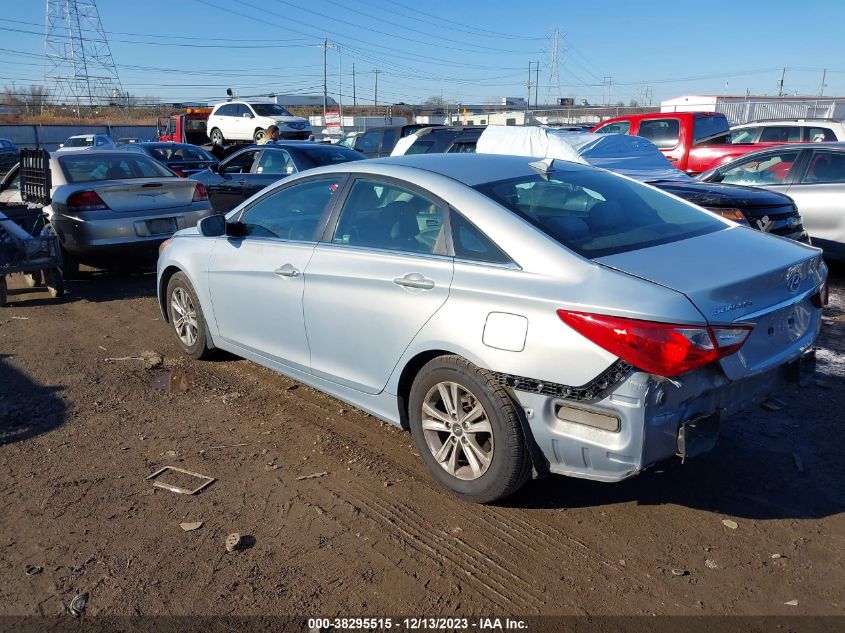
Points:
(544, 166)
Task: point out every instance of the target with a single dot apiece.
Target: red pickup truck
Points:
(692, 141)
(187, 127)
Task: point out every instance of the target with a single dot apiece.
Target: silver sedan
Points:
(517, 317)
(812, 174)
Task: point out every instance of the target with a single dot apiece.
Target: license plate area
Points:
(161, 226)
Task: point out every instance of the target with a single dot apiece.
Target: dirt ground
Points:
(373, 534)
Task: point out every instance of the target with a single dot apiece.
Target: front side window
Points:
(243, 111)
(781, 134)
(240, 163)
(80, 141)
(768, 169)
(275, 161)
(744, 135)
(389, 139)
(462, 148)
(82, 168)
(597, 214)
(292, 213)
(389, 217)
(662, 132)
(322, 155)
(419, 147)
(826, 167)
(619, 127)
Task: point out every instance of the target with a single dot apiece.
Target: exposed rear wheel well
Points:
(162, 289)
(406, 379)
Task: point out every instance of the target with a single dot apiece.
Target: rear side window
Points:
(596, 214)
(826, 167)
(230, 109)
(781, 134)
(620, 127)
(706, 127)
(662, 132)
(818, 134)
(470, 243)
(419, 147)
(462, 148)
(112, 167)
(389, 217)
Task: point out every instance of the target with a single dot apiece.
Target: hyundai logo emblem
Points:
(793, 281)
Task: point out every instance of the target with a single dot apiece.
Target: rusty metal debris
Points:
(312, 476)
(182, 491)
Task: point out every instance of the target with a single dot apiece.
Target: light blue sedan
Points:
(519, 317)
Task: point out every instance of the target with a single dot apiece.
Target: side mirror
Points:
(236, 229)
(246, 115)
(212, 226)
(215, 167)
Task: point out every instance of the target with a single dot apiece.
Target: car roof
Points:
(840, 145)
(470, 169)
(765, 122)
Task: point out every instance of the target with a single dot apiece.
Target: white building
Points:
(744, 108)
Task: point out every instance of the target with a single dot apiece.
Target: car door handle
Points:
(414, 280)
(287, 271)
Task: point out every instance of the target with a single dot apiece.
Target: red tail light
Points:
(200, 193)
(658, 348)
(85, 201)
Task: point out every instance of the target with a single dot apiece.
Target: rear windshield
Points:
(330, 154)
(80, 142)
(269, 109)
(595, 213)
(708, 127)
(180, 153)
(89, 168)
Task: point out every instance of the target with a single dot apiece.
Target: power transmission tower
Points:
(78, 64)
(554, 63)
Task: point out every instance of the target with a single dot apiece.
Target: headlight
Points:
(735, 215)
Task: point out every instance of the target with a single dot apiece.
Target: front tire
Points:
(185, 315)
(259, 134)
(216, 137)
(467, 430)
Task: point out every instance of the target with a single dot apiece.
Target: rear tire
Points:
(70, 266)
(216, 137)
(475, 447)
(185, 315)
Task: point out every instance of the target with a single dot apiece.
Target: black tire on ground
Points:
(199, 349)
(55, 283)
(510, 464)
(33, 279)
(70, 266)
(2, 291)
(216, 137)
(259, 134)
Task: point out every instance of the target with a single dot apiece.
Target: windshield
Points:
(596, 214)
(80, 141)
(330, 155)
(269, 109)
(86, 168)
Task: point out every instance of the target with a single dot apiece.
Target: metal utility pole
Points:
(536, 84)
(78, 64)
(821, 85)
(325, 79)
(780, 83)
(354, 97)
(376, 72)
(528, 83)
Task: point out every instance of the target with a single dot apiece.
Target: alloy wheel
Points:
(457, 430)
(184, 316)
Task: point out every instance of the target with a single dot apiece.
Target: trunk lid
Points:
(146, 194)
(740, 275)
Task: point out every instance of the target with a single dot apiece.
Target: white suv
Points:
(248, 121)
(789, 131)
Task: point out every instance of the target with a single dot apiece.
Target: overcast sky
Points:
(467, 51)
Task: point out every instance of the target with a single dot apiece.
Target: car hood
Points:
(708, 194)
(288, 119)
